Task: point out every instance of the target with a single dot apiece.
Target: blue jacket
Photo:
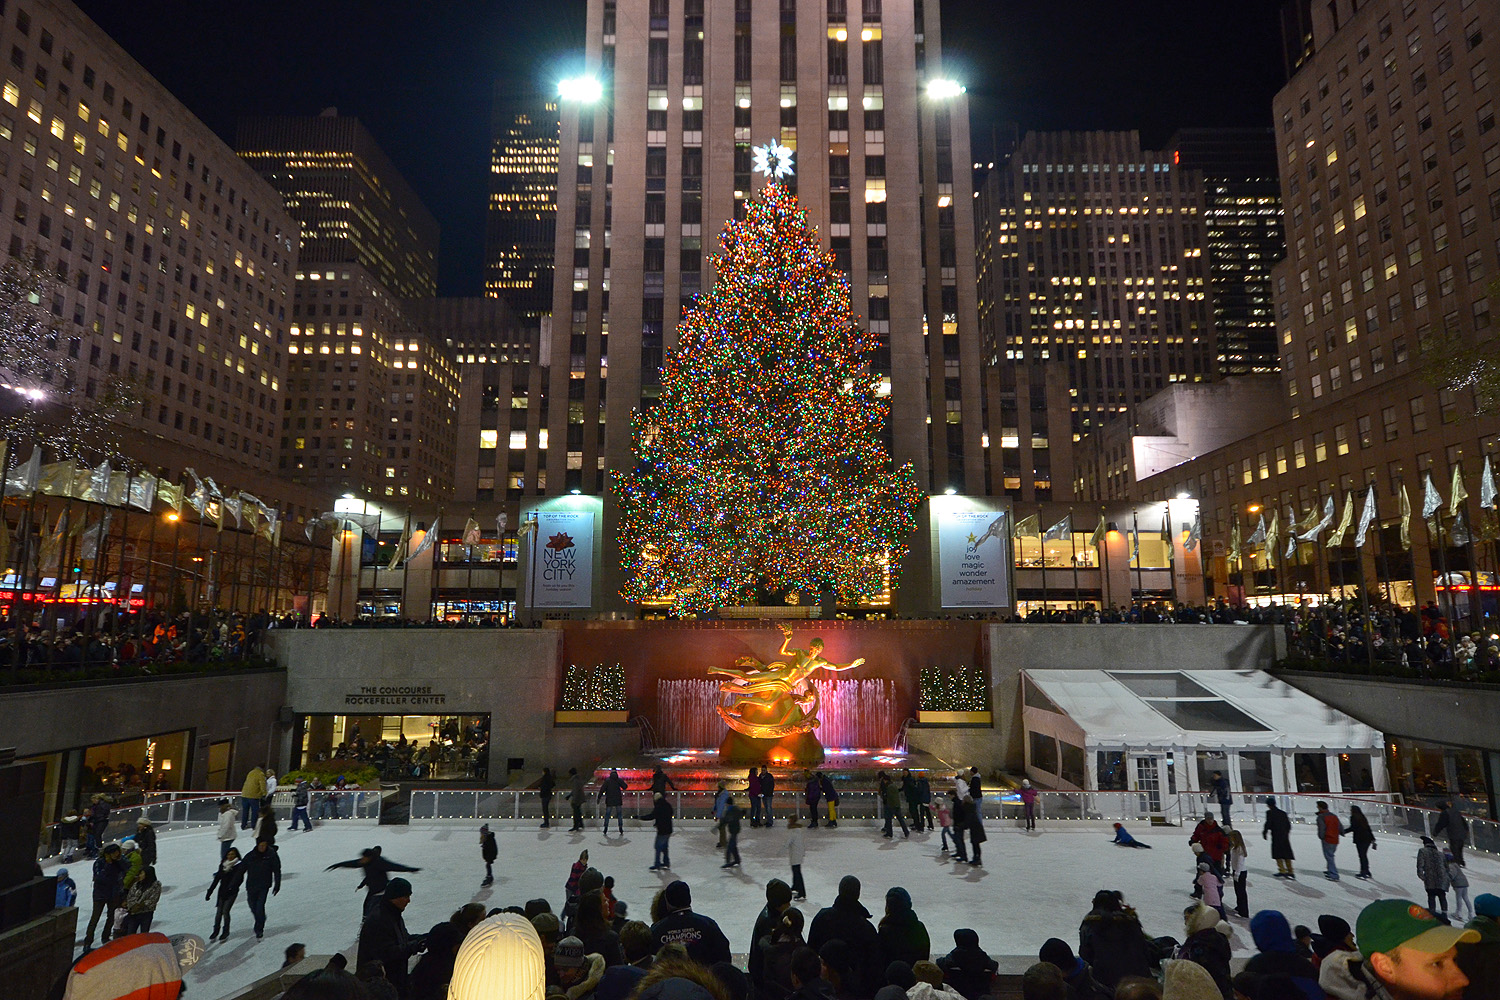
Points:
(109, 879)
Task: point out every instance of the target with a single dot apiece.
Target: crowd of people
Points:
(134, 640)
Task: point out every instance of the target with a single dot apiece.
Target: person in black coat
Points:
(383, 937)
(377, 869)
(848, 921)
(974, 819)
(778, 901)
(1279, 829)
(1111, 940)
(228, 879)
(903, 937)
(544, 789)
(767, 790)
(1363, 837)
(489, 852)
(262, 875)
(661, 818)
(968, 968)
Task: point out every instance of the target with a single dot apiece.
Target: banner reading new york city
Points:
(973, 557)
(562, 571)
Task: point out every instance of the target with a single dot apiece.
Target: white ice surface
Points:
(1033, 886)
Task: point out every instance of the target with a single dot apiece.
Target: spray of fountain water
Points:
(853, 713)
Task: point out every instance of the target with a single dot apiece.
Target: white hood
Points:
(500, 959)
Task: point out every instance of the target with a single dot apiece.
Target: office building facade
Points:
(521, 222)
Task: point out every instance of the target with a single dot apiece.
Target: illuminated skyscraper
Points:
(522, 218)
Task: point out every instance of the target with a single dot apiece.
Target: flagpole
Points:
(1387, 587)
(1437, 519)
(198, 575)
(1042, 542)
(25, 561)
(239, 565)
(147, 594)
(469, 567)
(312, 569)
(5, 524)
(176, 548)
(1077, 595)
(406, 540)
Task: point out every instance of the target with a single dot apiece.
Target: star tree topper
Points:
(773, 159)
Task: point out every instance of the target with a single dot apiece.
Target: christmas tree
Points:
(762, 470)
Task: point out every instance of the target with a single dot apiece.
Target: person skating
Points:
(301, 797)
(1434, 876)
(767, 793)
(1460, 884)
(1124, 839)
(944, 810)
(377, 872)
(544, 790)
(489, 852)
(729, 823)
(924, 802)
(1456, 825)
(960, 807)
(1410, 953)
(912, 798)
(796, 849)
(252, 792)
(752, 790)
(1219, 788)
(145, 838)
(1212, 843)
(228, 879)
(108, 889)
(721, 800)
(661, 819)
(141, 900)
(976, 790)
(1364, 839)
(1239, 871)
(813, 794)
(974, 818)
(262, 875)
(612, 792)
(383, 937)
(700, 935)
(228, 822)
(830, 799)
(660, 782)
(574, 795)
(1211, 889)
(890, 802)
(1278, 829)
(1028, 803)
(1329, 831)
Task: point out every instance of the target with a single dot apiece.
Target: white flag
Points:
(1366, 516)
(1194, 533)
(471, 532)
(1258, 536)
(1432, 501)
(427, 540)
(1487, 486)
(24, 479)
(1062, 529)
(1318, 529)
(99, 484)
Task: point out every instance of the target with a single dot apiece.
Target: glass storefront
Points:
(124, 770)
(1428, 774)
(398, 747)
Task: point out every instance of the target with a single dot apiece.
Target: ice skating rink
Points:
(1032, 886)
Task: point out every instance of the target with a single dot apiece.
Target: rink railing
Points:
(170, 811)
(517, 807)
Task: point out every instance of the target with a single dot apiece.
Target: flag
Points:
(1459, 494)
(1166, 528)
(236, 506)
(1195, 532)
(199, 497)
(56, 478)
(427, 539)
(1062, 529)
(501, 520)
(1432, 501)
(1336, 540)
(98, 488)
(119, 489)
(51, 550)
(312, 525)
(170, 494)
(1308, 525)
(1328, 514)
(471, 532)
(26, 477)
(271, 529)
(1028, 527)
(1366, 516)
(1459, 534)
(1234, 540)
(401, 546)
(1273, 535)
(1405, 518)
(1487, 486)
(1291, 545)
(1135, 546)
(141, 491)
(88, 546)
(1098, 535)
(1258, 536)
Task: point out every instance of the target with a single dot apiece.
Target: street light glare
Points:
(580, 89)
(944, 89)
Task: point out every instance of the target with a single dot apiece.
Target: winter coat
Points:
(730, 819)
(1341, 976)
(700, 935)
(1028, 796)
(255, 785)
(1480, 961)
(1221, 790)
(109, 879)
(302, 795)
(1454, 822)
(134, 864)
(575, 791)
(1431, 870)
(848, 921)
(594, 966)
(968, 968)
(661, 816)
(430, 976)
(1212, 838)
(766, 923)
(67, 892)
(890, 796)
(229, 824)
(612, 791)
(796, 846)
(1083, 986)
(830, 794)
(143, 898)
(903, 938)
(813, 792)
(487, 847)
(776, 965)
(974, 821)
(1279, 828)
(1115, 945)
(1278, 953)
(1210, 949)
(1359, 829)
(377, 872)
(603, 942)
(227, 881)
(1329, 827)
(767, 783)
(383, 938)
(753, 785)
(262, 869)
(545, 786)
(145, 839)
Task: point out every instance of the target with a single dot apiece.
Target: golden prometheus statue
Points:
(777, 699)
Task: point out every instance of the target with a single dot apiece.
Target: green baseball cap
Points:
(1387, 924)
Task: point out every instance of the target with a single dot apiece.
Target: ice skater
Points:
(262, 875)
(488, 851)
(544, 789)
(730, 822)
(796, 849)
(830, 799)
(944, 811)
(575, 796)
(1028, 803)
(1124, 839)
(227, 880)
(661, 818)
(1279, 829)
(612, 792)
(814, 795)
(1460, 884)
(890, 798)
(977, 835)
(1212, 888)
(377, 871)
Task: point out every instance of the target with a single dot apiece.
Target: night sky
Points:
(423, 77)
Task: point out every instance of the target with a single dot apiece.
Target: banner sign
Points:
(562, 565)
(973, 558)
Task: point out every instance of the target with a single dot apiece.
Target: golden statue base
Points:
(795, 748)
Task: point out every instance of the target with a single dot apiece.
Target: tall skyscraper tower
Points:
(521, 225)
(651, 171)
(1095, 296)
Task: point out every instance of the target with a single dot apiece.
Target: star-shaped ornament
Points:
(773, 159)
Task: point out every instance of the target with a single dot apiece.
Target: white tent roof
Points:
(1188, 708)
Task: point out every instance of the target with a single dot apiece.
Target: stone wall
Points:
(1462, 716)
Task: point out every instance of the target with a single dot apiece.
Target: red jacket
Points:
(1329, 828)
(1213, 838)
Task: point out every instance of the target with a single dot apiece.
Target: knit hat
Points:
(589, 881)
(1201, 918)
(677, 895)
(546, 924)
(535, 906)
(778, 893)
(1187, 980)
(569, 953)
(485, 828)
(898, 900)
(1058, 952)
(928, 972)
(500, 959)
(129, 845)
(62, 873)
(397, 888)
(1203, 866)
(849, 887)
(1487, 904)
